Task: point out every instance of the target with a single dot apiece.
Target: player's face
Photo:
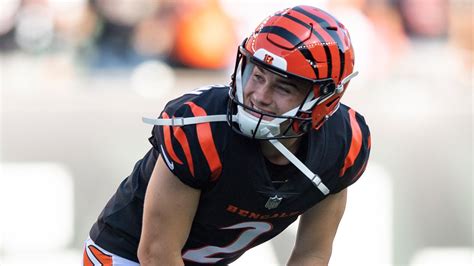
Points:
(270, 93)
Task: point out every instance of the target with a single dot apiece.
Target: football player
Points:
(232, 166)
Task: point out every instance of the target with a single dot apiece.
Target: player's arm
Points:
(316, 231)
(169, 210)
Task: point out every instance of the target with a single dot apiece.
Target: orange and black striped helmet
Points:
(306, 43)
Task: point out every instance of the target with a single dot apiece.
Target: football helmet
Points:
(305, 45)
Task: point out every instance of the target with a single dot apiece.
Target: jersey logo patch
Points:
(168, 162)
(273, 202)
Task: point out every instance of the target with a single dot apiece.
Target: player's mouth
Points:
(268, 118)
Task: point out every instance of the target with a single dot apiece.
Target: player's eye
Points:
(284, 90)
(258, 77)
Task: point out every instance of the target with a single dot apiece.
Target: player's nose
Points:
(263, 95)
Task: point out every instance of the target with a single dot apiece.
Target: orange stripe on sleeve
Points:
(104, 259)
(168, 144)
(183, 141)
(356, 143)
(362, 169)
(206, 141)
(86, 260)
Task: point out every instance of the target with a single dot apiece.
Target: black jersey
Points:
(240, 207)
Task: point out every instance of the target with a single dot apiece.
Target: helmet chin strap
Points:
(182, 121)
(340, 87)
(314, 178)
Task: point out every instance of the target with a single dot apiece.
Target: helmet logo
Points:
(271, 58)
(268, 59)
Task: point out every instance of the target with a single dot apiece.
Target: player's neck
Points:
(275, 156)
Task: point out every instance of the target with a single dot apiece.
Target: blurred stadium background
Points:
(76, 76)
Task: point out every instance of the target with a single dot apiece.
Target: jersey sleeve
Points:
(189, 151)
(356, 154)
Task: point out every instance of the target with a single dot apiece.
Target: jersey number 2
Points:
(253, 230)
